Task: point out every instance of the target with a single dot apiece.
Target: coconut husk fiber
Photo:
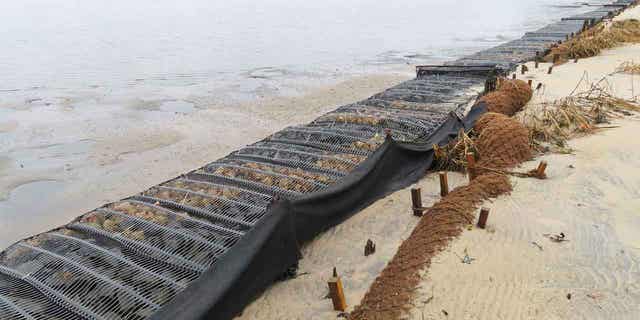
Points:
(511, 97)
(502, 142)
(389, 296)
(499, 142)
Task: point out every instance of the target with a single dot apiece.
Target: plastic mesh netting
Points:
(129, 258)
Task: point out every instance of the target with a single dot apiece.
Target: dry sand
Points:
(592, 196)
(516, 272)
(387, 223)
(125, 150)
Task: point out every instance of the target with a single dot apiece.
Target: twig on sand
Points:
(552, 124)
(537, 245)
(556, 237)
(531, 174)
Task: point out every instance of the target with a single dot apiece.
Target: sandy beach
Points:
(516, 272)
(113, 205)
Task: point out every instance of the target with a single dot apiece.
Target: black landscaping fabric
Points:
(262, 256)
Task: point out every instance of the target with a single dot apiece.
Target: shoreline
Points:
(117, 163)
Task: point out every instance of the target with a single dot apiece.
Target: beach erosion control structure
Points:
(205, 244)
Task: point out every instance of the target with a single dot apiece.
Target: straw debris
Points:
(629, 67)
(552, 124)
(604, 35)
(452, 157)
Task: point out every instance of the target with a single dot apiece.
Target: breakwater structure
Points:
(203, 245)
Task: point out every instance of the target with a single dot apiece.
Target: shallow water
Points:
(118, 48)
(80, 71)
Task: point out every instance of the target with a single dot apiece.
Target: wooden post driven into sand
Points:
(416, 200)
(471, 163)
(537, 63)
(530, 82)
(482, 220)
(550, 70)
(444, 184)
(336, 292)
(541, 168)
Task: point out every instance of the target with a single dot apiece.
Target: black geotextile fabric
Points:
(272, 246)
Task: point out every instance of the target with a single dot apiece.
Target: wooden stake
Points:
(530, 83)
(556, 57)
(471, 163)
(369, 248)
(541, 168)
(336, 292)
(550, 70)
(575, 60)
(539, 86)
(537, 63)
(416, 199)
(523, 69)
(482, 220)
(444, 184)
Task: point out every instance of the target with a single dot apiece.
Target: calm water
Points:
(234, 48)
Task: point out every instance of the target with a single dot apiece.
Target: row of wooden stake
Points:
(524, 69)
(336, 290)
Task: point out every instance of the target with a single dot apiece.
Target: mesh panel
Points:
(314, 160)
(84, 289)
(274, 178)
(339, 142)
(19, 300)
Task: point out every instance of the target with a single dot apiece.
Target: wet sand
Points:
(127, 149)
